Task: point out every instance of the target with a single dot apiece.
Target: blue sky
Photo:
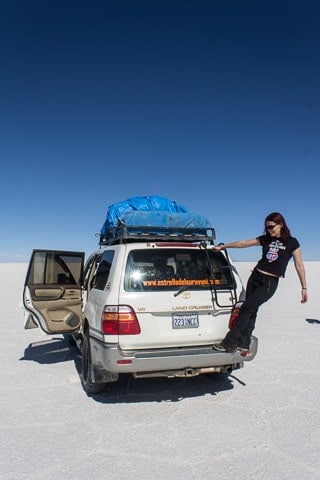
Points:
(214, 104)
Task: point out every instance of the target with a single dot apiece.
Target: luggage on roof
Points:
(153, 217)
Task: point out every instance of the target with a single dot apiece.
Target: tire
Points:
(86, 378)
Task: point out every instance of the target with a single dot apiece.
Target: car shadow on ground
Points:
(52, 350)
(128, 389)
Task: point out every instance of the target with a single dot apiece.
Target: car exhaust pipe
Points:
(227, 369)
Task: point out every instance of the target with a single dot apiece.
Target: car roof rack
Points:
(127, 234)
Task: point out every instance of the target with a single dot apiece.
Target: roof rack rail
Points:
(126, 234)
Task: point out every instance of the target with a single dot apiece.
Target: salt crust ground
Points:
(262, 423)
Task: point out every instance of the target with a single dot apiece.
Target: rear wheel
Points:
(87, 379)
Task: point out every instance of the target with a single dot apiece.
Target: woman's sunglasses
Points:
(271, 227)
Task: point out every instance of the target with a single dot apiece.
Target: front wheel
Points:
(87, 379)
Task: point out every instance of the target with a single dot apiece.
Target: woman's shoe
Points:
(245, 352)
(219, 347)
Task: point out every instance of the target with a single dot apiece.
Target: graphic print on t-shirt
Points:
(272, 254)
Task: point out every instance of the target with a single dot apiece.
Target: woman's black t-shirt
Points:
(276, 254)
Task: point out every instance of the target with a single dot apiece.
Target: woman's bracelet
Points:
(304, 288)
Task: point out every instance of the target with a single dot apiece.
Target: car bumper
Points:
(109, 361)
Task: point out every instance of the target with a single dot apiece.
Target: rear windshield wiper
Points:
(184, 288)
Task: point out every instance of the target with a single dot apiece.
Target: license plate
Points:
(186, 320)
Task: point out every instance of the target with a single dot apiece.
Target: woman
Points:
(278, 246)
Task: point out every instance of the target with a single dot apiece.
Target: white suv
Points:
(146, 303)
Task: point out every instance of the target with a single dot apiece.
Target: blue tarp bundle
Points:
(151, 211)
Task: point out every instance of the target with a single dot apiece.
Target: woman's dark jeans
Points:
(260, 288)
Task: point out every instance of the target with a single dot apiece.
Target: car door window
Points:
(51, 268)
(102, 274)
(90, 270)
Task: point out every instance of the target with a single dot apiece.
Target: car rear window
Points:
(170, 269)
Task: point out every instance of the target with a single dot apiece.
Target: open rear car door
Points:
(52, 294)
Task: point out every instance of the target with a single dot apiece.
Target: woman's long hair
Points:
(276, 217)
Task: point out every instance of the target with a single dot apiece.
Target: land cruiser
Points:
(147, 304)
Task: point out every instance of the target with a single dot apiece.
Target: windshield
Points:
(171, 269)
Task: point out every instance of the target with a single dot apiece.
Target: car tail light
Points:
(119, 320)
(234, 314)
